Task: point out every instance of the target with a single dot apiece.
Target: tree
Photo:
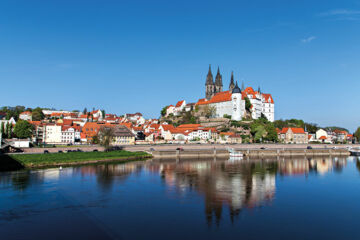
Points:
(7, 130)
(247, 104)
(103, 113)
(2, 129)
(210, 111)
(95, 139)
(163, 111)
(106, 136)
(23, 129)
(357, 134)
(37, 114)
(272, 135)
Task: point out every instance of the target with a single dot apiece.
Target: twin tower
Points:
(211, 87)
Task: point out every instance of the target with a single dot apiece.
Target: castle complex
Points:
(232, 101)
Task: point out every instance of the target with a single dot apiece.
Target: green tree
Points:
(7, 130)
(106, 136)
(247, 104)
(95, 139)
(357, 134)
(23, 129)
(37, 114)
(272, 135)
(163, 111)
(2, 129)
(103, 113)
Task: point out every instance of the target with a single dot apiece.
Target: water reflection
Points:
(237, 185)
(226, 188)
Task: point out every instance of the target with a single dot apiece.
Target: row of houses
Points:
(300, 136)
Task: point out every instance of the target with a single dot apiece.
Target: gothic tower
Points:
(209, 85)
(218, 82)
(232, 84)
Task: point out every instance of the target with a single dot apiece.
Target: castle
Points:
(230, 102)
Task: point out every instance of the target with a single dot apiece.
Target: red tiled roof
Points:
(201, 101)
(189, 126)
(268, 98)
(322, 138)
(26, 113)
(227, 133)
(179, 103)
(218, 97)
(294, 130)
(167, 127)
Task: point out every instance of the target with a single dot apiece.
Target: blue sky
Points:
(128, 56)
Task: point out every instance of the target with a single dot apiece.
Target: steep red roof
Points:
(268, 98)
(179, 103)
(322, 138)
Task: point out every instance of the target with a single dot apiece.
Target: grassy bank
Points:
(75, 158)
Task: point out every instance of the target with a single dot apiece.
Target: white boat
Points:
(235, 154)
(354, 151)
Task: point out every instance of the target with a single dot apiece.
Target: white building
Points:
(27, 116)
(179, 107)
(52, 134)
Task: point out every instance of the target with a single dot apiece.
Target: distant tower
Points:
(242, 86)
(259, 91)
(209, 85)
(218, 82)
(237, 103)
(232, 84)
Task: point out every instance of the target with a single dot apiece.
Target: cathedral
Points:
(229, 102)
(232, 101)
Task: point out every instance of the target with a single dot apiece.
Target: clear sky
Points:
(129, 56)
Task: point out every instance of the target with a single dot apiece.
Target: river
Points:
(305, 198)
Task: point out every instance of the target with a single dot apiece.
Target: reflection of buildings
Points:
(303, 166)
(236, 185)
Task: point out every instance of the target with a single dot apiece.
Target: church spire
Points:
(242, 86)
(218, 82)
(231, 85)
(209, 78)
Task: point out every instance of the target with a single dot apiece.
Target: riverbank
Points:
(71, 158)
(256, 153)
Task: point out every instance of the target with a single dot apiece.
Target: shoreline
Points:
(31, 161)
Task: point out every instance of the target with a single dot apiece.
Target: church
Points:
(232, 101)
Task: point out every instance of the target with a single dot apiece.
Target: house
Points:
(123, 136)
(90, 129)
(170, 110)
(52, 134)
(97, 114)
(293, 135)
(27, 116)
(322, 136)
(2, 115)
(70, 134)
(235, 138)
(179, 107)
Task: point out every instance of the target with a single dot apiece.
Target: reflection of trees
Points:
(358, 164)
(106, 174)
(236, 185)
(21, 180)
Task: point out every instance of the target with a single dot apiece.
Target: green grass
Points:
(55, 159)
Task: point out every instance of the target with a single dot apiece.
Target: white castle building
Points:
(232, 102)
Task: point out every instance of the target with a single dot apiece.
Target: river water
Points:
(199, 199)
